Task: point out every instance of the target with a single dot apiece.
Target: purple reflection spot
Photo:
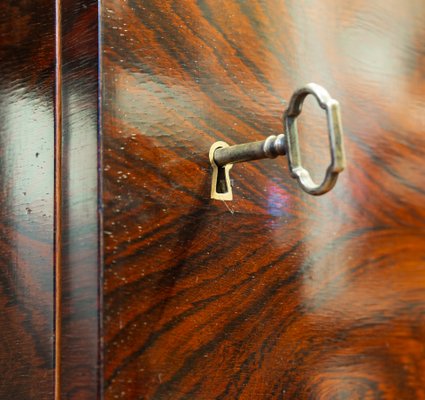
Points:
(277, 201)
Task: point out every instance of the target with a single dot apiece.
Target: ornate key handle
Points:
(331, 107)
(223, 156)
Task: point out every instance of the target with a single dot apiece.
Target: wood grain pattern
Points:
(276, 295)
(80, 268)
(27, 59)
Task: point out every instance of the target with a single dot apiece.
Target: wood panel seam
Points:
(58, 194)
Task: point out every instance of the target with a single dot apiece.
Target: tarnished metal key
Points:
(223, 156)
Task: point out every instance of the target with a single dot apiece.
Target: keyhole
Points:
(221, 186)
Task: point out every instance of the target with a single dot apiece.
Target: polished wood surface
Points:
(276, 294)
(49, 215)
(79, 325)
(27, 60)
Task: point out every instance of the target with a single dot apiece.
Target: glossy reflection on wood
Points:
(26, 202)
(80, 276)
(276, 294)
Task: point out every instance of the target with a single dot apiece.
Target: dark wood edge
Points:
(58, 195)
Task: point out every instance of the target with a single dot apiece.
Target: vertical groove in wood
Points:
(101, 248)
(58, 196)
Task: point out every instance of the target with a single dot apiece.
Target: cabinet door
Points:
(276, 294)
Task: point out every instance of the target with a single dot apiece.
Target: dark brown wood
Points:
(276, 294)
(49, 170)
(27, 60)
(79, 376)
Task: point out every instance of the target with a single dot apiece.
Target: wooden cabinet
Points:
(121, 279)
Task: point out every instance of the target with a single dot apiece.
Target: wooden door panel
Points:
(27, 54)
(276, 294)
(49, 214)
